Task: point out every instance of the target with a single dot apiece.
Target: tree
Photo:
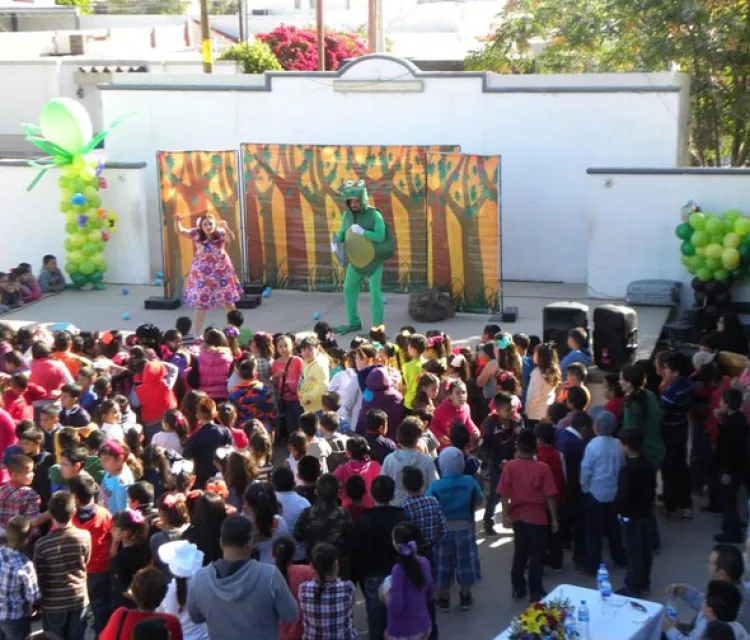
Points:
(255, 58)
(297, 49)
(709, 39)
(84, 6)
(151, 7)
(224, 7)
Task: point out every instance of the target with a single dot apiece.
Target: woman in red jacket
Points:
(51, 375)
(453, 409)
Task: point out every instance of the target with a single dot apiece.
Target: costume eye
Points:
(349, 184)
(361, 183)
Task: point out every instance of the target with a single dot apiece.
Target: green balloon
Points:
(730, 258)
(685, 260)
(744, 250)
(697, 220)
(71, 267)
(66, 122)
(684, 231)
(742, 226)
(95, 202)
(89, 249)
(712, 264)
(699, 239)
(714, 251)
(732, 240)
(722, 275)
(687, 249)
(96, 277)
(68, 245)
(75, 257)
(87, 267)
(704, 275)
(78, 279)
(732, 214)
(714, 225)
(70, 227)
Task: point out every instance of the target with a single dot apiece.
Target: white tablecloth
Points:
(619, 622)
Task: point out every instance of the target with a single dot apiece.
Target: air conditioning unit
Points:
(69, 44)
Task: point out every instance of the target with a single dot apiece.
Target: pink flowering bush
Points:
(297, 49)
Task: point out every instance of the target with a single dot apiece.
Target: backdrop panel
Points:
(293, 206)
(193, 183)
(463, 218)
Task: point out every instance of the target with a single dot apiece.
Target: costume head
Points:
(356, 191)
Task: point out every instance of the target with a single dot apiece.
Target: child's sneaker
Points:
(443, 604)
(466, 601)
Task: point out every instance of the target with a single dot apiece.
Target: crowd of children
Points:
(139, 488)
(20, 286)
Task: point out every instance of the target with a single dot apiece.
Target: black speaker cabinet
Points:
(560, 317)
(160, 303)
(615, 336)
(249, 302)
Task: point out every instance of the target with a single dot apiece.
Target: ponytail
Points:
(284, 550)
(324, 558)
(407, 555)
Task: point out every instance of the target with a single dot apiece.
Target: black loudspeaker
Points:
(162, 304)
(615, 336)
(560, 317)
(249, 302)
(253, 289)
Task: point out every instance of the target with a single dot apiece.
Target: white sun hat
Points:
(183, 558)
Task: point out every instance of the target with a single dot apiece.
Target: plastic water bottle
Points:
(670, 610)
(605, 589)
(583, 621)
(602, 575)
(571, 631)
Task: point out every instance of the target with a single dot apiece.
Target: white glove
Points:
(334, 248)
(357, 229)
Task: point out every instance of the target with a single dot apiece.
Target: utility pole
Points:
(372, 26)
(321, 35)
(205, 38)
(241, 11)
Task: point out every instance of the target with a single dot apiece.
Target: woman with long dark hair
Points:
(212, 282)
(264, 510)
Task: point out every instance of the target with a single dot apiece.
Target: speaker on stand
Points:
(559, 318)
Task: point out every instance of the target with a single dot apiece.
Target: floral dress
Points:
(212, 282)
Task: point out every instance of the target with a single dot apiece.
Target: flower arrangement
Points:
(542, 620)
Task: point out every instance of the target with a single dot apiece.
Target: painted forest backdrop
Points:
(442, 206)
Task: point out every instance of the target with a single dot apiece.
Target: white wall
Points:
(125, 21)
(632, 217)
(34, 226)
(548, 130)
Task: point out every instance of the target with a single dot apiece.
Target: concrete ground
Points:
(685, 544)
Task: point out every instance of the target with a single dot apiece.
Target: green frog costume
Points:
(367, 242)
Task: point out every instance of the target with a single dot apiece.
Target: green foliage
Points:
(708, 39)
(84, 6)
(224, 7)
(151, 7)
(255, 58)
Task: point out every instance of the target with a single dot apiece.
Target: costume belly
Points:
(359, 250)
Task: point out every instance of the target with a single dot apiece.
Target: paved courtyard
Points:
(686, 544)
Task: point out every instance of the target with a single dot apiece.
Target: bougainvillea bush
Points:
(297, 49)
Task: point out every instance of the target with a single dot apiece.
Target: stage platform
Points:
(292, 311)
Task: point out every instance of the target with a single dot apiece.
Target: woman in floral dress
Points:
(212, 282)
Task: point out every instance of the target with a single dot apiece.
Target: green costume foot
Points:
(347, 328)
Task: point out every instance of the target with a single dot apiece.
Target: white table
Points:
(619, 622)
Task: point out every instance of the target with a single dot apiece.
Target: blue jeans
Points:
(601, 518)
(100, 596)
(377, 615)
(15, 629)
(492, 497)
(68, 625)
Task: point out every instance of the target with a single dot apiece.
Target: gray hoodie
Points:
(238, 600)
(394, 464)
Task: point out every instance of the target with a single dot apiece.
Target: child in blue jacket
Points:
(457, 551)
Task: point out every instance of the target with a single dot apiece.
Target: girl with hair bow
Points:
(410, 589)
(129, 551)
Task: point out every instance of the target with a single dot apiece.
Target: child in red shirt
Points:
(98, 522)
(527, 491)
(547, 453)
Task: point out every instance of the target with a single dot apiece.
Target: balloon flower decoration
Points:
(65, 134)
(714, 247)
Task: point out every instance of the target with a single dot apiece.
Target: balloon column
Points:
(65, 134)
(714, 247)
